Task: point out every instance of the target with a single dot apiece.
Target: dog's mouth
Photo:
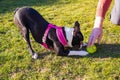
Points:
(78, 47)
(82, 44)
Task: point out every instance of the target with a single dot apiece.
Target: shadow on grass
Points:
(1, 32)
(103, 51)
(43, 55)
(11, 5)
(107, 50)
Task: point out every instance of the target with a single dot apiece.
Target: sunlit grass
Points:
(17, 64)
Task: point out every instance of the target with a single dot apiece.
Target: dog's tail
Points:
(16, 10)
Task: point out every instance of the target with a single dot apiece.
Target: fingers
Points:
(96, 34)
(99, 39)
(91, 40)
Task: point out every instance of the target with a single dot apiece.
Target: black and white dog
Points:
(50, 36)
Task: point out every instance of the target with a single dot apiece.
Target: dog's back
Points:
(30, 19)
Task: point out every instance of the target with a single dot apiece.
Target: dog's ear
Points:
(77, 26)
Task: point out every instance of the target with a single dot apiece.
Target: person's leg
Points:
(115, 14)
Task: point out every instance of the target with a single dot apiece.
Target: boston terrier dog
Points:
(48, 35)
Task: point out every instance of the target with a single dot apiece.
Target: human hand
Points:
(96, 34)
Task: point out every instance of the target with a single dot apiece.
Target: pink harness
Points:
(59, 33)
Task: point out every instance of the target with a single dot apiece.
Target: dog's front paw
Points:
(35, 56)
(78, 53)
(83, 53)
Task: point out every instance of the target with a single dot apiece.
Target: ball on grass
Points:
(92, 49)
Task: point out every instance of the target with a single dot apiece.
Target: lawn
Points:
(16, 62)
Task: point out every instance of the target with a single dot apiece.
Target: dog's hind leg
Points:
(25, 34)
(27, 39)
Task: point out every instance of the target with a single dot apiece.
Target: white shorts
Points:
(115, 14)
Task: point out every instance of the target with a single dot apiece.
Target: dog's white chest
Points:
(69, 35)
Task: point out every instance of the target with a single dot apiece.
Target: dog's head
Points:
(74, 36)
(77, 36)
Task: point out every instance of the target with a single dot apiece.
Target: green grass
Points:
(17, 64)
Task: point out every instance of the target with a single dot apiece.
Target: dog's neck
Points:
(69, 35)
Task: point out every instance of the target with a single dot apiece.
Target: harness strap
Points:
(59, 33)
(61, 36)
